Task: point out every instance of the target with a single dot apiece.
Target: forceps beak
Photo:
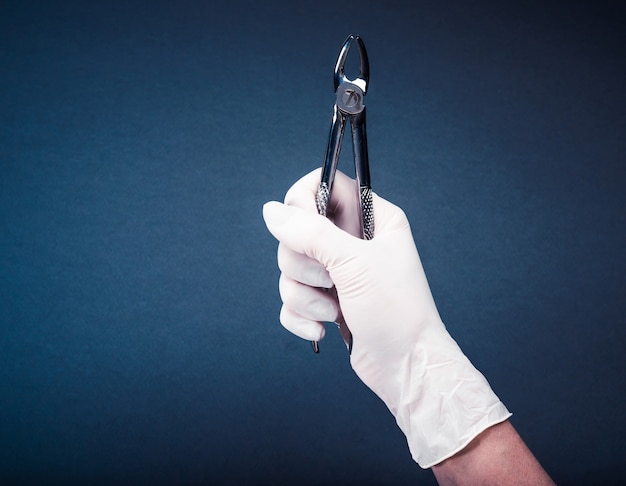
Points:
(364, 66)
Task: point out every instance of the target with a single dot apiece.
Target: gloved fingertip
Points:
(318, 336)
(310, 333)
(274, 213)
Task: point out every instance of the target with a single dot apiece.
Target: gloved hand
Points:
(401, 348)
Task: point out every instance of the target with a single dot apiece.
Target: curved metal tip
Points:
(364, 65)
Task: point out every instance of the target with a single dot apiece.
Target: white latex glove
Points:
(401, 348)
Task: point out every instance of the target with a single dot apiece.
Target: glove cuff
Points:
(444, 402)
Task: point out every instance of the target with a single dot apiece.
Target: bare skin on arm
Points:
(498, 456)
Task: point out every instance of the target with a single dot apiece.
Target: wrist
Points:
(441, 402)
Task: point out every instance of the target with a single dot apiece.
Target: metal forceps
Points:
(349, 106)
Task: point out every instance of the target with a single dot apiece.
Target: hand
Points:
(401, 348)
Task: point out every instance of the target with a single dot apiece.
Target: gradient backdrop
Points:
(139, 332)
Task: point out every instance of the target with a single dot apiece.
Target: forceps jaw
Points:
(364, 66)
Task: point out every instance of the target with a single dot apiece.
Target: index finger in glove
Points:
(309, 234)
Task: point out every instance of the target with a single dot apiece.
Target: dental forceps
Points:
(349, 106)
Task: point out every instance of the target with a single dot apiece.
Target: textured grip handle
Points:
(322, 198)
(367, 212)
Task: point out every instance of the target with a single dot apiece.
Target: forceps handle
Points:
(361, 163)
(333, 148)
(361, 166)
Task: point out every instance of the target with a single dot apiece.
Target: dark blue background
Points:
(139, 338)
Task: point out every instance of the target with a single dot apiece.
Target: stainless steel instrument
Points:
(349, 106)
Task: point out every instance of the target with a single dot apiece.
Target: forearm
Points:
(498, 456)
